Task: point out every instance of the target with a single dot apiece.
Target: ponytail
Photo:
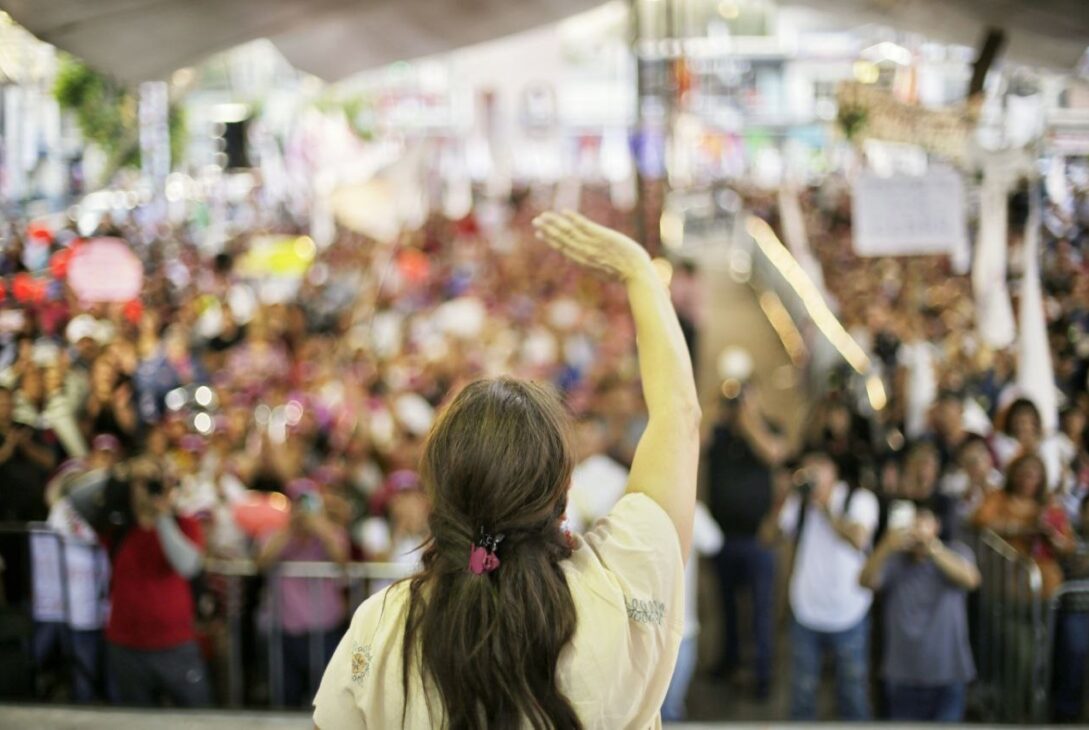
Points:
(487, 645)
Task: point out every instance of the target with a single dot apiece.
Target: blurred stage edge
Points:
(58, 718)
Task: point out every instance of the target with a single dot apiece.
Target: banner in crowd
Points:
(907, 215)
(1035, 372)
(67, 568)
(994, 313)
(277, 256)
(869, 112)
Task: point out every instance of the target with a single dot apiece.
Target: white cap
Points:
(80, 327)
(85, 325)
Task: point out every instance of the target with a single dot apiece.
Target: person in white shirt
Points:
(832, 525)
(598, 481)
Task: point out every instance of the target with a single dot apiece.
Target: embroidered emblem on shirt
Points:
(645, 612)
(361, 662)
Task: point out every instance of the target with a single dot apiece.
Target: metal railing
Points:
(48, 556)
(60, 583)
(1016, 625)
(1012, 620)
(41, 558)
(359, 580)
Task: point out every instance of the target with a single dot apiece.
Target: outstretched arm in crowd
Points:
(184, 553)
(852, 532)
(956, 569)
(667, 457)
(303, 524)
(873, 572)
(858, 535)
(184, 556)
(41, 455)
(765, 443)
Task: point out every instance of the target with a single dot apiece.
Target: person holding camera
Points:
(743, 451)
(310, 609)
(151, 648)
(832, 524)
(927, 656)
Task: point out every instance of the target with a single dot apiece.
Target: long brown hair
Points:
(1022, 462)
(499, 459)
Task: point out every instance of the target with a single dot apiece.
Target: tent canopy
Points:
(136, 40)
(1047, 33)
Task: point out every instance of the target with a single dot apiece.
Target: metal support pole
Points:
(275, 644)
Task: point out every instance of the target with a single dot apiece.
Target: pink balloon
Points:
(259, 513)
(105, 270)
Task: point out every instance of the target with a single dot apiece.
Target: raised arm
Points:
(667, 457)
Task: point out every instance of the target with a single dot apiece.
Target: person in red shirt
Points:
(151, 647)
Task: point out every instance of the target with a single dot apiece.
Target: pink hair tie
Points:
(482, 557)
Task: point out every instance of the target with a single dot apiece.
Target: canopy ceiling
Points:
(137, 40)
(1047, 33)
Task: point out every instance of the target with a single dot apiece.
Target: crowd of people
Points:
(274, 423)
(217, 418)
(883, 505)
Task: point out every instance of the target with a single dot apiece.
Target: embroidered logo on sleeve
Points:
(361, 662)
(645, 612)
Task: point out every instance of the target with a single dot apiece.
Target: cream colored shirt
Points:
(627, 580)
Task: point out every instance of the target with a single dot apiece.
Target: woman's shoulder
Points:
(382, 611)
(629, 560)
(364, 673)
(626, 577)
(374, 637)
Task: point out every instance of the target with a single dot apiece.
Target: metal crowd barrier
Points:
(36, 558)
(359, 580)
(41, 559)
(1012, 621)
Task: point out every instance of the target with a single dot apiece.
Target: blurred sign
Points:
(1068, 132)
(80, 574)
(909, 215)
(105, 270)
(369, 208)
(873, 113)
(276, 256)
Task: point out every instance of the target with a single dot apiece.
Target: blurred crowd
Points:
(886, 507)
(284, 414)
(237, 416)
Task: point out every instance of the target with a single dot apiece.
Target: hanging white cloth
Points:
(994, 313)
(1035, 376)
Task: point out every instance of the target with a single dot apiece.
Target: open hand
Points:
(591, 245)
